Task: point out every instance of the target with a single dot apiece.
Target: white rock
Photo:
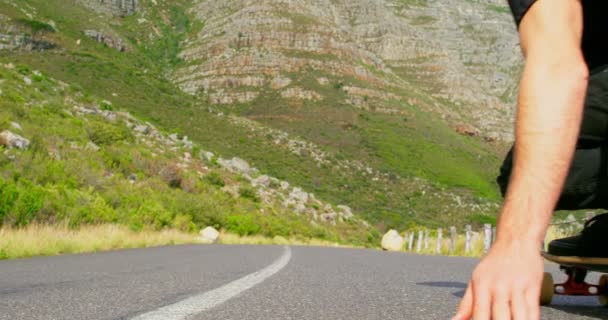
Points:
(16, 126)
(299, 195)
(329, 217)
(323, 81)
(142, 128)
(210, 234)
(240, 165)
(280, 82)
(208, 155)
(12, 140)
(392, 241)
(300, 208)
(236, 165)
(262, 180)
(27, 80)
(92, 146)
(346, 211)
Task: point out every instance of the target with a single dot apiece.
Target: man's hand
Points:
(505, 285)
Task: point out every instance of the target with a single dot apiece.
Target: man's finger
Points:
(465, 309)
(519, 306)
(482, 305)
(532, 296)
(500, 305)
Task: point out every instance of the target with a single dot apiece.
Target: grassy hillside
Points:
(89, 168)
(423, 172)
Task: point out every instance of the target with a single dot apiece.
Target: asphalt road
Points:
(246, 282)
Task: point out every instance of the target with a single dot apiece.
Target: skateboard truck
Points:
(576, 268)
(576, 284)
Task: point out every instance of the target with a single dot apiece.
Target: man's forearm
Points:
(548, 122)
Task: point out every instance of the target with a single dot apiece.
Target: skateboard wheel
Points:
(603, 298)
(546, 292)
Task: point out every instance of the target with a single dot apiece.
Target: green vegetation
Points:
(422, 20)
(215, 179)
(58, 179)
(36, 26)
(499, 9)
(61, 179)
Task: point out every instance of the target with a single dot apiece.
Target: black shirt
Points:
(595, 28)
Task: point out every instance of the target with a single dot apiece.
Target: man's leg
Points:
(586, 186)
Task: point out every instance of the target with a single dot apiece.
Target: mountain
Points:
(398, 109)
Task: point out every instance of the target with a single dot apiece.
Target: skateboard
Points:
(576, 268)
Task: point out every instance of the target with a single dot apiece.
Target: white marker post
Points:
(467, 242)
(439, 240)
(452, 240)
(487, 241)
(410, 244)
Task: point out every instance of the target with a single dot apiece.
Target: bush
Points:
(478, 220)
(30, 201)
(249, 193)
(172, 175)
(8, 197)
(104, 134)
(215, 179)
(36, 26)
(243, 225)
(184, 223)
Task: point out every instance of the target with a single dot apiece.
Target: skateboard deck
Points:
(590, 264)
(576, 268)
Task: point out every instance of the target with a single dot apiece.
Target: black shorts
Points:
(586, 186)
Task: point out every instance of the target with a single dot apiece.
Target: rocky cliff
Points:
(112, 7)
(462, 54)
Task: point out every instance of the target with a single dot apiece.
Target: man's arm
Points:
(506, 284)
(550, 107)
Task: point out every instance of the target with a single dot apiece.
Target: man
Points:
(559, 159)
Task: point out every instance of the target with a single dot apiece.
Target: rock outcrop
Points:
(462, 52)
(113, 7)
(111, 41)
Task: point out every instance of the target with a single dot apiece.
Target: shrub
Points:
(36, 26)
(106, 105)
(215, 179)
(30, 201)
(184, 223)
(8, 197)
(243, 225)
(249, 193)
(172, 175)
(104, 134)
(480, 219)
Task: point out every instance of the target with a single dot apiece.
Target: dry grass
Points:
(228, 238)
(47, 240)
(37, 240)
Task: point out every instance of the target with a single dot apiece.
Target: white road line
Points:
(205, 301)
